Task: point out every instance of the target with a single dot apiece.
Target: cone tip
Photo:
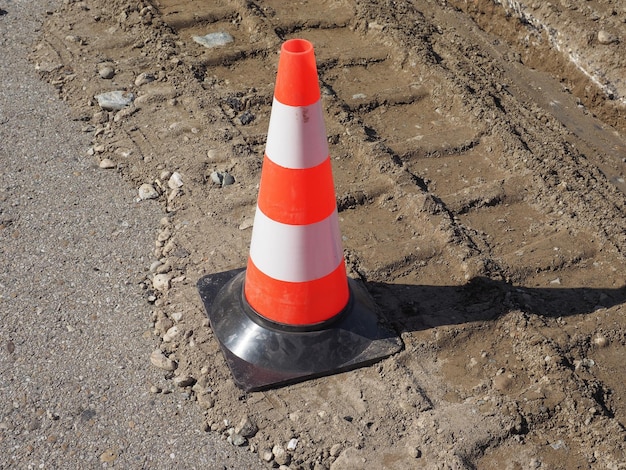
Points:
(297, 46)
(296, 80)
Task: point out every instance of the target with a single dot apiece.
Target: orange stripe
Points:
(296, 196)
(296, 80)
(297, 303)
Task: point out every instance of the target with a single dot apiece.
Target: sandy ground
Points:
(479, 172)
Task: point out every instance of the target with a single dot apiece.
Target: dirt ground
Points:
(479, 161)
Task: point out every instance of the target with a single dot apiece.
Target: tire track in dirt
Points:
(463, 205)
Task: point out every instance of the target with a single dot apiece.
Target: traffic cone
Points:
(293, 313)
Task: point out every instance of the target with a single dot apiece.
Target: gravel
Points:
(77, 386)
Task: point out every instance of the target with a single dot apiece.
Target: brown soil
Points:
(481, 200)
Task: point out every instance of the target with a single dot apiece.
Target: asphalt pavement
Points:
(75, 375)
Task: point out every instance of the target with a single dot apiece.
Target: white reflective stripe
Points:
(296, 253)
(296, 137)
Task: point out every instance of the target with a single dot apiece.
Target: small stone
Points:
(604, 37)
(214, 39)
(227, 179)
(216, 177)
(161, 282)
(163, 324)
(600, 341)
(335, 450)
(107, 72)
(144, 78)
(246, 427)
(177, 316)
(114, 100)
(246, 118)
(292, 444)
(170, 334)
(246, 224)
(280, 455)
(155, 389)
(147, 191)
(184, 381)
(160, 360)
(175, 181)
(415, 452)
(267, 455)
(206, 400)
(107, 164)
(237, 440)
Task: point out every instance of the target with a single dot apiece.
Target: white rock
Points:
(292, 444)
(177, 316)
(114, 100)
(175, 181)
(107, 164)
(147, 191)
(214, 39)
(280, 455)
(604, 37)
(106, 71)
(170, 334)
(144, 78)
(161, 282)
(160, 360)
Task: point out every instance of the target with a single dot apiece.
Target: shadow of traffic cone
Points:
(293, 313)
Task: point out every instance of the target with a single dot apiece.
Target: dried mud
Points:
(482, 204)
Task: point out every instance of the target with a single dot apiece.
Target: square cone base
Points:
(262, 354)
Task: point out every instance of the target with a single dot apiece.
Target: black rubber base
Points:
(262, 354)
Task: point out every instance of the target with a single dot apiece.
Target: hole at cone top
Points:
(297, 46)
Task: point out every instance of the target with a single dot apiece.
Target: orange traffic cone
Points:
(293, 313)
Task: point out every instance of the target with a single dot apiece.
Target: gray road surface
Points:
(75, 375)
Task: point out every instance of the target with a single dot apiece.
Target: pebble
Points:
(237, 440)
(267, 455)
(107, 164)
(175, 181)
(600, 341)
(216, 177)
(161, 282)
(163, 324)
(164, 235)
(160, 360)
(246, 224)
(280, 455)
(292, 444)
(184, 381)
(144, 78)
(164, 268)
(155, 389)
(114, 100)
(246, 427)
(177, 316)
(604, 37)
(147, 191)
(214, 39)
(170, 334)
(107, 72)
(227, 179)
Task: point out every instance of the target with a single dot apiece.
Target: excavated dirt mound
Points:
(481, 202)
